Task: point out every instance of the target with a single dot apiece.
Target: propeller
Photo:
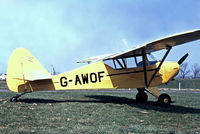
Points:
(183, 59)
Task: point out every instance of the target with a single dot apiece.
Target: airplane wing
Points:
(160, 44)
(164, 43)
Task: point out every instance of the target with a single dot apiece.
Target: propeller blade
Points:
(183, 59)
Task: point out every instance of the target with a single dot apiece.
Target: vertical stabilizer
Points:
(22, 69)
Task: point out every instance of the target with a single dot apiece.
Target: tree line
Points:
(189, 72)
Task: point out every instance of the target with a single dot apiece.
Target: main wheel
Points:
(164, 99)
(141, 97)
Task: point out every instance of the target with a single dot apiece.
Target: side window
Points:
(131, 63)
(150, 60)
(139, 61)
(109, 63)
(116, 63)
(122, 63)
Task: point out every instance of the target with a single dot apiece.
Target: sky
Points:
(62, 32)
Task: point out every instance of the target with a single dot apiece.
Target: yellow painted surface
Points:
(23, 69)
(136, 80)
(25, 74)
(92, 76)
(154, 91)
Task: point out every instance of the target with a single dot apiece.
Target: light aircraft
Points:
(128, 69)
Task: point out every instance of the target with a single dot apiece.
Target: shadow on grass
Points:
(150, 105)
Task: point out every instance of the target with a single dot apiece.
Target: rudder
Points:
(22, 69)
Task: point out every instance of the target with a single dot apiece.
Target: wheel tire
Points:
(13, 99)
(164, 100)
(141, 97)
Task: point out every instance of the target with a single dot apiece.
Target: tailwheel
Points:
(164, 100)
(141, 97)
(14, 99)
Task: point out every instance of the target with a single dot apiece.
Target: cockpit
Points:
(130, 62)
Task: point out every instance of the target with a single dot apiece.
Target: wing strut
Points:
(145, 70)
(144, 66)
(157, 69)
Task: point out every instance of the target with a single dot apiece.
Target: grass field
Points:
(90, 112)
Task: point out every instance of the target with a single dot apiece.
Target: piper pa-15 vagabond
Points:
(129, 69)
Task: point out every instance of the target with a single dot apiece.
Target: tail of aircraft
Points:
(24, 72)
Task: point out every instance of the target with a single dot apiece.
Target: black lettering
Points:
(85, 78)
(100, 75)
(93, 77)
(63, 81)
(77, 80)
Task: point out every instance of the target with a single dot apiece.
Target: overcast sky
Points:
(61, 32)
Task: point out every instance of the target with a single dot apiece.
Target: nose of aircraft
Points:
(172, 69)
(175, 68)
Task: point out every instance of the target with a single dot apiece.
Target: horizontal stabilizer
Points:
(95, 58)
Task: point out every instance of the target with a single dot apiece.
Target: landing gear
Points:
(141, 96)
(164, 100)
(15, 98)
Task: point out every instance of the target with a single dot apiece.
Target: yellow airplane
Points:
(129, 69)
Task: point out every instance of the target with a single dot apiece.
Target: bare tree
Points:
(184, 71)
(195, 71)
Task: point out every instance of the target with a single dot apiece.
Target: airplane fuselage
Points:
(99, 76)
